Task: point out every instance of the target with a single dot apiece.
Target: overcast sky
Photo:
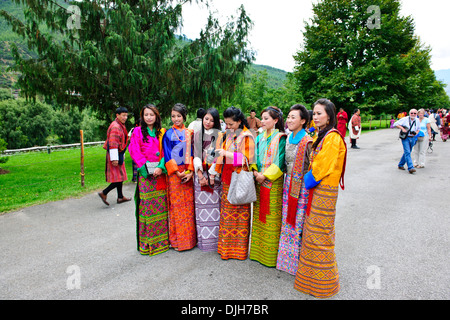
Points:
(277, 32)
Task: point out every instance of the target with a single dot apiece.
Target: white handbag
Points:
(150, 167)
(242, 188)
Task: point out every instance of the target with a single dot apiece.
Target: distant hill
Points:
(444, 76)
(276, 77)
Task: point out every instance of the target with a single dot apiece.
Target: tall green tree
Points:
(127, 52)
(257, 91)
(358, 53)
(422, 89)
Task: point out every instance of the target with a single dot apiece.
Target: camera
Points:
(413, 133)
(211, 156)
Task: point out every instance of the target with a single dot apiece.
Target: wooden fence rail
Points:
(49, 148)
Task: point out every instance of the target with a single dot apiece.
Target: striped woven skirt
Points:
(317, 272)
(207, 216)
(114, 173)
(266, 236)
(182, 231)
(151, 217)
(291, 236)
(234, 228)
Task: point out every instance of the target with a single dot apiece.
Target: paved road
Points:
(392, 242)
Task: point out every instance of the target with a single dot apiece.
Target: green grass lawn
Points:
(376, 124)
(39, 177)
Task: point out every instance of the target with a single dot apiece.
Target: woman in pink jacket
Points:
(151, 196)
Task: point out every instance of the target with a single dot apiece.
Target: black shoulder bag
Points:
(403, 135)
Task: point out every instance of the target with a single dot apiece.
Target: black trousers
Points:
(112, 186)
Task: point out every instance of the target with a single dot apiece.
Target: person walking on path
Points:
(152, 230)
(116, 144)
(317, 272)
(354, 128)
(342, 119)
(420, 149)
(435, 122)
(445, 131)
(410, 127)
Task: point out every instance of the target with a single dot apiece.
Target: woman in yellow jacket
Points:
(317, 272)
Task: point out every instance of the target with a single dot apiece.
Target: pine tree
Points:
(109, 53)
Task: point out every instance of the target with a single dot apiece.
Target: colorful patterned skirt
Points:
(234, 228)
(114, 173)
(317, 272)
(182, 232)
(444, 135)
(151, 217)
(207, 216)
(291, 236)
(266, 236)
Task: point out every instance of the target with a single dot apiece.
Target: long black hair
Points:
(216, 127)
(237, 115)
(330, 109)
(216, 117)
(156, 126)
(275, 113)
(180, 108)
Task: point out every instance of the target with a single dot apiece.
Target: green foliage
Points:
(24, 124)
(126, 53)
(265, 87)
(66, 125)
(91, 126)
(2, 148)
(357, 66)
(5, 94)
(276, 77)
(34, 123)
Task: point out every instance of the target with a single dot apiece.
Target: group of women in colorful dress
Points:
(184, 178)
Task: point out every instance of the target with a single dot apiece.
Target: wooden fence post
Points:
(82, 158)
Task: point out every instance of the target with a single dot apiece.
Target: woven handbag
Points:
(242, 188)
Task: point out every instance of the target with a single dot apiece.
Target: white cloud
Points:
(278, 25)
(431, 21)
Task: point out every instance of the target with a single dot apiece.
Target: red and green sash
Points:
(297, 179)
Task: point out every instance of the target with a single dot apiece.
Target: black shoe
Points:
(355, 147)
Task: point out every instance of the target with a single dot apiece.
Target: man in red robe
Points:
(342, 119)
(354, 128)
(116, 144)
